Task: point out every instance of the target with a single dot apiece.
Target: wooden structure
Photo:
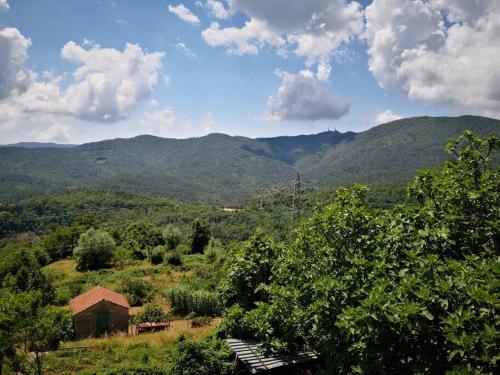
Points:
(250, 359)
(151, 327)
(99, 311)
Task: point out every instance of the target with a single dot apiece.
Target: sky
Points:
(85, 70)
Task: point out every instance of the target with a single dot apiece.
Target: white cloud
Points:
(184, 14)
(385, 116)
(248, 39)
(184, 49)
(323, 72)
(300, 97)
(153, 103)
(162, 119)
(14, 77)
(438, 51)
(4, 6)
(59, 132)
(106, 86)
(217, 9)
(208, 123)
(313, 29)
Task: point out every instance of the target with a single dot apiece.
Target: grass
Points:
(69, 282)
(97, 353)
(62, 271)
(92, 355)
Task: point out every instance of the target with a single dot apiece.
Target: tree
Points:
(247, 268)
(151, 314)
(137, 291)
(41, 326)
(199, 236)
(59, 244)
(94, 250)
(410, 289)
(172, 236)
(121, 257)
(20, 271)
(141, 237)
(7, 326)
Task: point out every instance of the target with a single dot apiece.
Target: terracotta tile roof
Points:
(96, 295)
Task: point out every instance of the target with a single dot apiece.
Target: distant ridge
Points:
(38, 145)
(218, 168)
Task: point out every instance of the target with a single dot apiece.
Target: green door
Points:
(102, 323)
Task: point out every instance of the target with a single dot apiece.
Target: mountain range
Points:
(218, 168)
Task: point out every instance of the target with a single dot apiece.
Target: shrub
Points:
(151, 314)
(210, 356)
(172, 236)
(174, 258)
(157, 255)
(213, 250)
(94, 250)
(184, 301)
(137, 291)
(201, 321)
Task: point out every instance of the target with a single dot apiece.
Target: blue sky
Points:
(224, 82)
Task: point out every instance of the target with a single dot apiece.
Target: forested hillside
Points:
(372, 280)
(218, 168)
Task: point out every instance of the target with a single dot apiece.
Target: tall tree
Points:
(141, 238)
(199, 236)
(41, 326)
(7, 326)
(94, 250)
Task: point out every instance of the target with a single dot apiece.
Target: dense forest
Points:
(221, 169)
(380, 278)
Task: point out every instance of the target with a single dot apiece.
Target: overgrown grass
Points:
(120, 349)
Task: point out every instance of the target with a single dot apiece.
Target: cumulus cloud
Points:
(4, 6)
(215, 9)
(300, 97)
(313, 29)
(162, 118)
(106, 86)
(59, 132)
(385, 116)
(14, 77)
(184, 14)
(437, 51)
(323, 72)
(249, 39)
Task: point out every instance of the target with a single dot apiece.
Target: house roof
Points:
(95, 295)
(249, 352)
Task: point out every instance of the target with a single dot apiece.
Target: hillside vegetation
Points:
(373, 280)
(218, 168)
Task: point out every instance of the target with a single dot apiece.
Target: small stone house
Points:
(99, 311)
